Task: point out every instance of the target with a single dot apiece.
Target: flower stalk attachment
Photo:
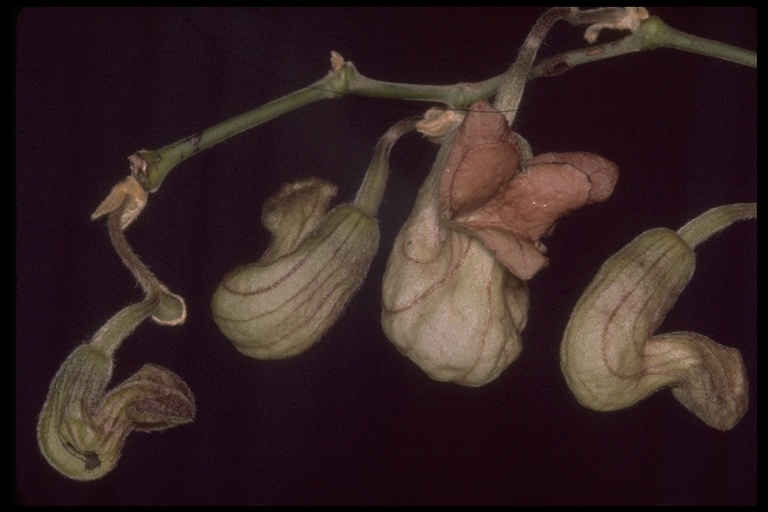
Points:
(83, 427)
(610, 356)
(511, 90)
(283, 304)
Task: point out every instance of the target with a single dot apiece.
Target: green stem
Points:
(158, 163)
(163, 306)
(111, 335)
(149, 283)
(655, 33)
(152, 167)
(371, 191)
(715, 220)
(651, 34)
(363, 86)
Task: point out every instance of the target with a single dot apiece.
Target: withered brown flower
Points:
(454, 297)
(491, 190)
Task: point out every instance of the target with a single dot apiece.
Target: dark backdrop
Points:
(352, 421)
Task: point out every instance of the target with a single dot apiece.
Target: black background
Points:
(352, 421)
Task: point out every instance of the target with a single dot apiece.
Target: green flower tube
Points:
(83, 427)
(317, 260)
(610, 356)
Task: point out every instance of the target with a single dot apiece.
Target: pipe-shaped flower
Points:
(454, 293)
(82, 428)
(449, 306)
(283, 304)
(611, 358)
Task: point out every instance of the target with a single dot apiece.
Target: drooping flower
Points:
(284, 303)
(455, 298)
(611, 355)
(83, 426)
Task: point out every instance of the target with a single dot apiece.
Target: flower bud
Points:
(611, 358)
(81, 430)
(281, 305)
(284, 303)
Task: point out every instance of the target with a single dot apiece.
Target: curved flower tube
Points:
(611, 358)
(283, 304)
(82, 427)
